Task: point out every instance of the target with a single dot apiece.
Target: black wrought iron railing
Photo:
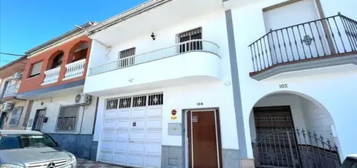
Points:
(295, 149)
(331, 36)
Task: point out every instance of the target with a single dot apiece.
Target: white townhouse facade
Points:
(191, 84)
(155, 71)
(297, 71)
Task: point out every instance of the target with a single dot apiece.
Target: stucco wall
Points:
(52, 106)
(333, 87)
(305, 113)
(34, 83)
(187, 97)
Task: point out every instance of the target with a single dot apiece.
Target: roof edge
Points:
(13, 62)
(77, 30)
(141, 8)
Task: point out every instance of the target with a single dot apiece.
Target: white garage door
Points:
(131, 133)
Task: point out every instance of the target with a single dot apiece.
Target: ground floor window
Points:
(15, 116)
(67, 118)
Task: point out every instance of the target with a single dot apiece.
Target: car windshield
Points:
(25, 141)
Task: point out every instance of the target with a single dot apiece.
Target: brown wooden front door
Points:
(203, 139)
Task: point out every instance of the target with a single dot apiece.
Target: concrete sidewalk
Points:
(82, 163)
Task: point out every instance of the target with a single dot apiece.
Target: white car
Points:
(350, 161)
(24, 148)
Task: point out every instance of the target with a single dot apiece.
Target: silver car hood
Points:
(31, 155)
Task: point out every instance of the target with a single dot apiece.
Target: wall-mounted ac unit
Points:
(7, 106)
(83, 99)
(17, 75)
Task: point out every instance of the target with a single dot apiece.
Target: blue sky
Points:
(27, 23)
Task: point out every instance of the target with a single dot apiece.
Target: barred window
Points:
(139, 101)
(156, 99)
(112, 104)
(16, 115)
(127, 53)
(195, 34)
(67, 118)
(125, 102)
(125, 57)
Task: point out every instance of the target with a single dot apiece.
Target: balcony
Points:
(51, 76)
(75, 69)
(194, 60)
(330, 41)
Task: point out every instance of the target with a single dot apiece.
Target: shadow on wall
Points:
(82, 146)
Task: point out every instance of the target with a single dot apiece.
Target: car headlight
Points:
(11, 166)
(72, 159)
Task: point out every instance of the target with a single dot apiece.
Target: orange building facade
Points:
(60, 57)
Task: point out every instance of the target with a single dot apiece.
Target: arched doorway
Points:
(55, 60)
(290, 129)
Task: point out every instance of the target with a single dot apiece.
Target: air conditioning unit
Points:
(17, 75)
(83, 99)
(7, 106)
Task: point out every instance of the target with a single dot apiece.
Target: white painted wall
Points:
(334, 87)
(306, 114)
(176, 69)
(213, 29)
(53, 104)
(212, 95)
(178, 95)
(346, 7)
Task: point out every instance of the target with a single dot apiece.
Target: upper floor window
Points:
(79, 51)
(56, 60)
(35, 69)
(125, 57)
(194, 36)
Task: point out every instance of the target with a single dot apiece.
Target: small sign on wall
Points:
(174, 129)
(173, 114)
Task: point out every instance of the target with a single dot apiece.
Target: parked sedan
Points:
(350, 161)
(23, 148)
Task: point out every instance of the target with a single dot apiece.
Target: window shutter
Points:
(36, 69)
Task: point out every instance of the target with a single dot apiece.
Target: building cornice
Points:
(78, 31)
(144, 7)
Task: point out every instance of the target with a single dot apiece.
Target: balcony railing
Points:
(174, 50)
(51, 76)
(323, 38)
(75, 69)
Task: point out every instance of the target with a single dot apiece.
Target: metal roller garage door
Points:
(131, 133)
